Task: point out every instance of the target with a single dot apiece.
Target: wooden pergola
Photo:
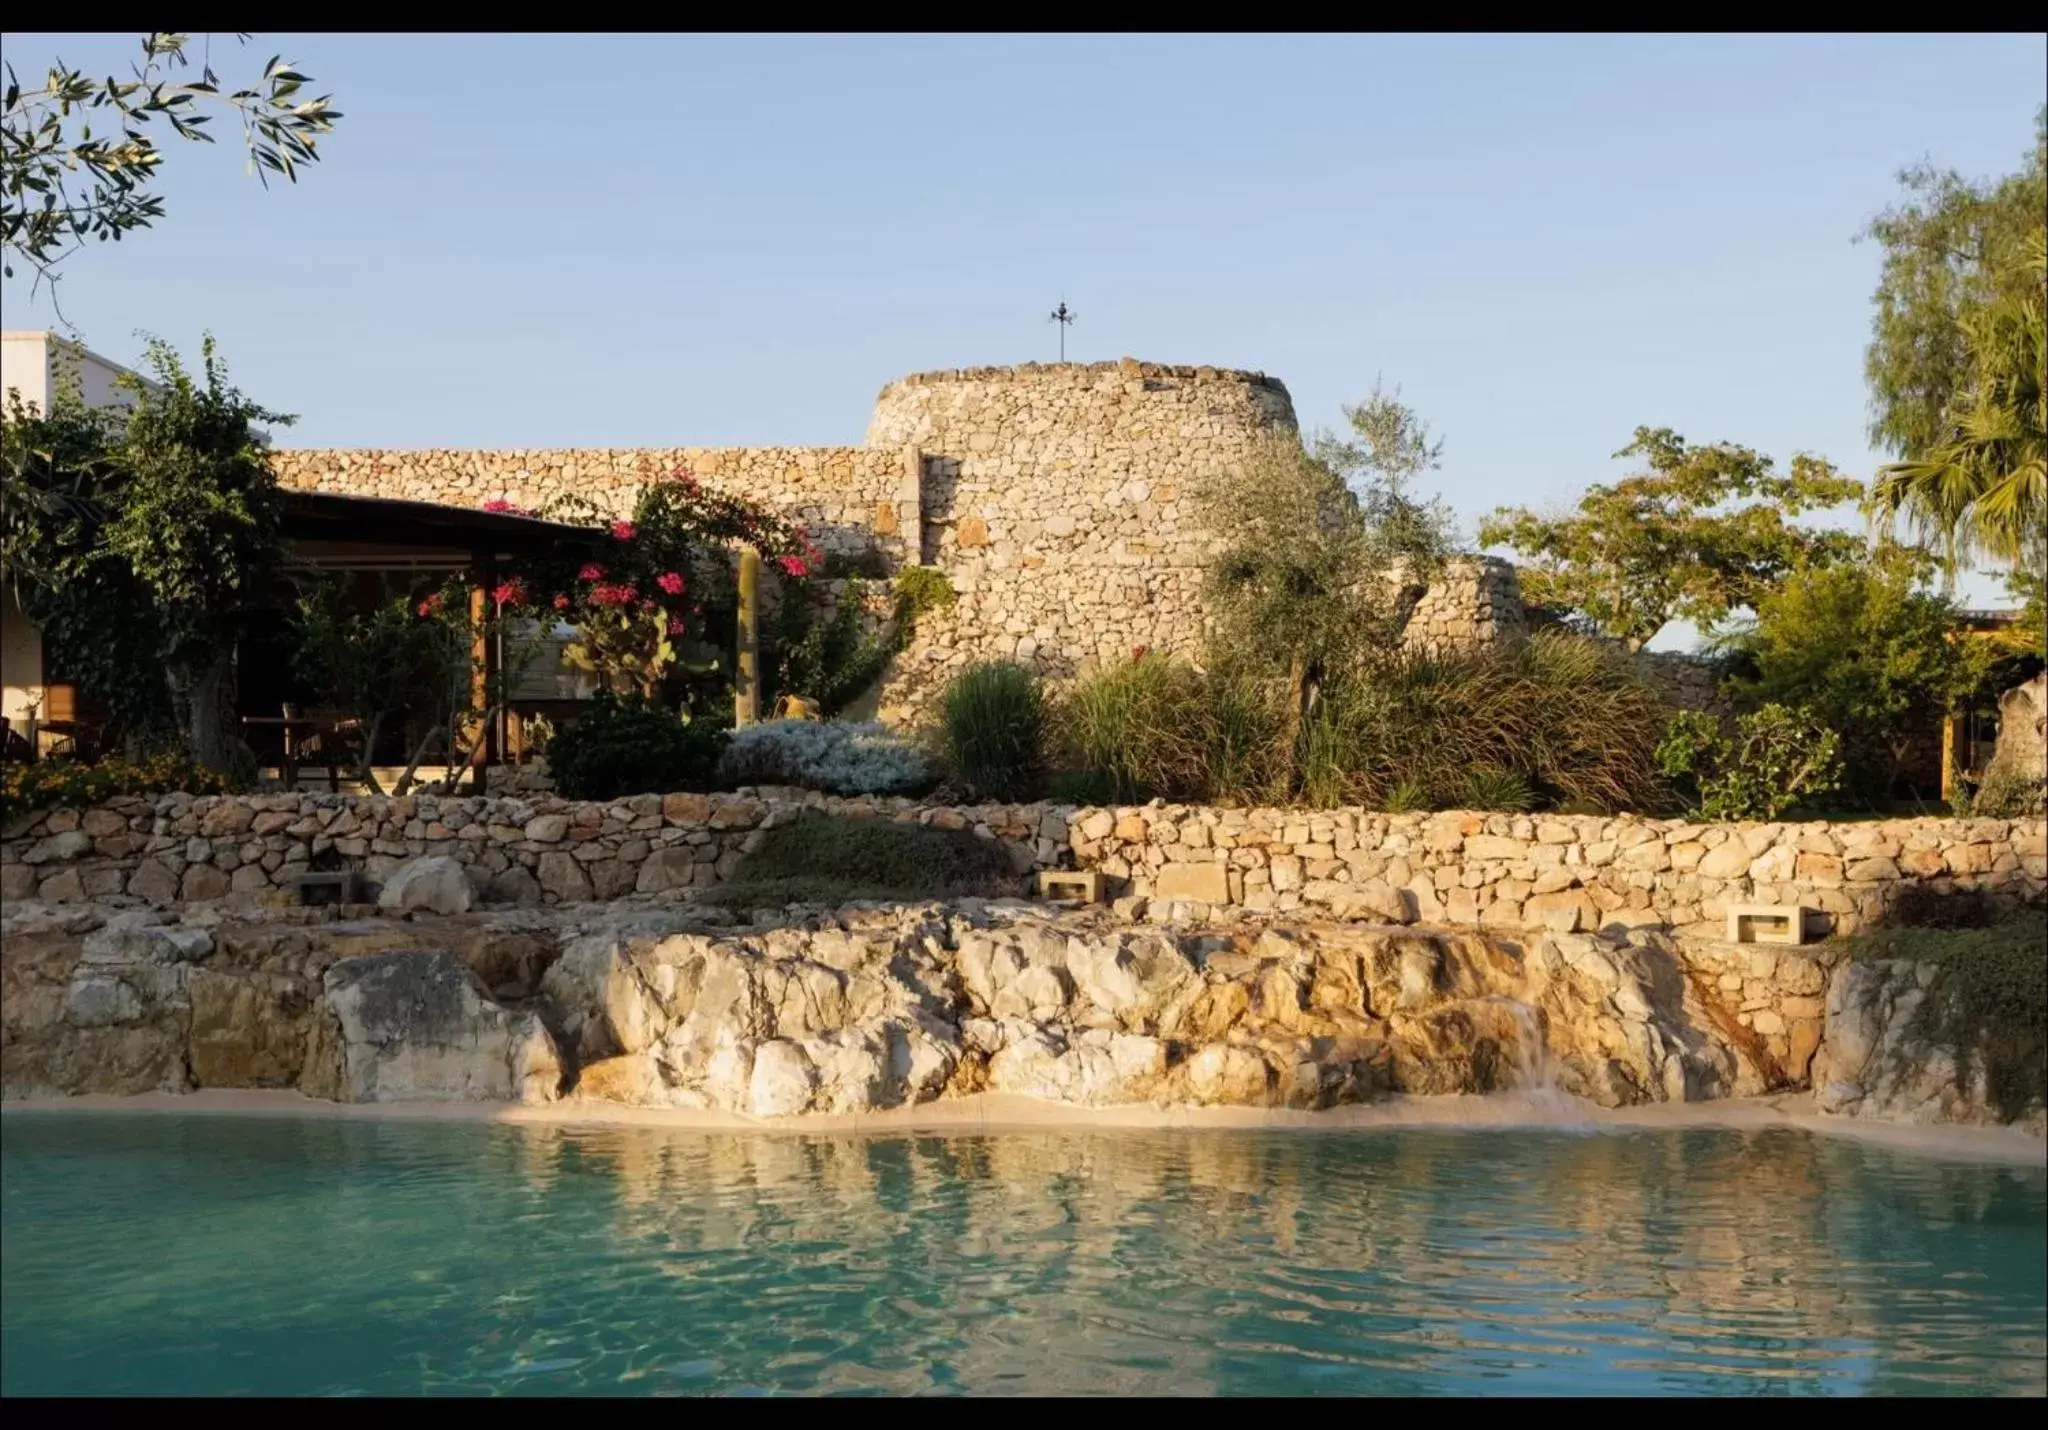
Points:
(351, 533)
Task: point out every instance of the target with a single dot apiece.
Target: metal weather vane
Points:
(1064, 316)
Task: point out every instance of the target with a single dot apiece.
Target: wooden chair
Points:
(320, 739)
(73, 722)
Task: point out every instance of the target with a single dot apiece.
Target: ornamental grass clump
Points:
(1140, 727)
(992, 721)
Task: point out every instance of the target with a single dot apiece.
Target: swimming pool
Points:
(185, 1254)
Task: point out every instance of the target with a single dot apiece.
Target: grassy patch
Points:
(1989, 1000)
(818, 858)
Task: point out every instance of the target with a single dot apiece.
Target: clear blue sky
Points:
(623, 240)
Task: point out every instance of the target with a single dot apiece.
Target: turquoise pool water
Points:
(236, 1255)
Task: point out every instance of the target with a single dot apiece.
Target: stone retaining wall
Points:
(1564, 873)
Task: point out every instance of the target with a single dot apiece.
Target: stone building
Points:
(1056, 497)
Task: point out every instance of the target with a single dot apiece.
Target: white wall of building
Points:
(36, 363)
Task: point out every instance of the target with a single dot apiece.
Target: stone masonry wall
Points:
(1058, 499)
(853, 499)
(1564, 873)
(1476, 600)
(1055, 497)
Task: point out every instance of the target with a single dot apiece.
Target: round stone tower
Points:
(1056, 498)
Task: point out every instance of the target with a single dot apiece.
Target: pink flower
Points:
(591, 572)
(623, 530)
(432, 605)
(620, 595)
(510, 593)
(792, 566)
(561, 602)
(675, 625)
(671, 582)
(505, 508)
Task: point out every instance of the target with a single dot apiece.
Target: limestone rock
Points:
(1191, 883)
(437, 884)
(419, 1027)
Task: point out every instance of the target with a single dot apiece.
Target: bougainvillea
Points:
(658, 579)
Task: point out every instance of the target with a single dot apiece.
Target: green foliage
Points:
(370, 662)
(1949, 251)
(1314, 571)
(1080, 787)
(1982, 487)
(59, 188)
(1769, 761)
(1322, 556)
(62, 473)
(1702, 532)
(147, 548)
(1988, 1003)
(1500, 791)
(1141, 727)
(650, 584)
(833, 661)
(66, 784)
(2008, 794)
(1868, 652)
(992, 720)
(869, 563)
(1408, 796)
(923, 588)
(1568, 715)
(818, 858)
(1558, 718)
(623, 746)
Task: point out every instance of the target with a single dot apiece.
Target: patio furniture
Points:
(313, 739)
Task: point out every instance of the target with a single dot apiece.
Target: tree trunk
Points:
(203, 697)
(1290, 731)
(364, 767)
(419, 753)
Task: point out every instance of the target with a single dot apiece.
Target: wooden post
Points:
(1951, 767)
(483, 667)
(746, 695)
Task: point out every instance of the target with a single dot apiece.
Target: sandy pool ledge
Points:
(992, 1112)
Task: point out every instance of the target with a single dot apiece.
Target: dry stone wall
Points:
(1056, 497)
(853, 499)
(1560, 872)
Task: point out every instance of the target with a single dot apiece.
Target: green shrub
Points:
(61, 783)
(1141, 726)
(1988, 1000)
(2007, 794)
(622, 746)
(992, 728)
(923, 588)
(1767, 762)
(826, 755)
(819, 858)
(832, 661)
(867, 564)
